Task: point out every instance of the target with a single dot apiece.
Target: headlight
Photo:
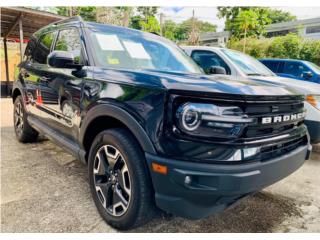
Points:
(314, 100)
(209, 120)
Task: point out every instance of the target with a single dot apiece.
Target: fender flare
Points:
(108, 110)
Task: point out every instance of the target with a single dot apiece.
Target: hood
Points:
(195, 82)
(301, 86)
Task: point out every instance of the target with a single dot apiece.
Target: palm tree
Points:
(246, 20)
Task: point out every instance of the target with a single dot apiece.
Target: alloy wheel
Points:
(18, 117)
(112, 180)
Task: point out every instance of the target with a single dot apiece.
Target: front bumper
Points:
(213, 187)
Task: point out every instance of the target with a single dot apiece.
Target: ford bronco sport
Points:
(152, 127)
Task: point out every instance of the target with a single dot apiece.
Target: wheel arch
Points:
(15, 93)
(108, 116)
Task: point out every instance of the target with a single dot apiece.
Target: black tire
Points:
(141, 206)
(24, 132)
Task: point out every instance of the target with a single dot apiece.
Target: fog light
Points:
(249, 152)
(187, 180)
(237, 156)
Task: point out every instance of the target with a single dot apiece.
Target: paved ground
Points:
(44, 189)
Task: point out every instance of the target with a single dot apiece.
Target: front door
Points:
(62, 87)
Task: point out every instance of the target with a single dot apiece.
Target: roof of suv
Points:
(111, 28)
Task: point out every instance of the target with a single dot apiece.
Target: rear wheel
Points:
(24, 132)
(119, 180)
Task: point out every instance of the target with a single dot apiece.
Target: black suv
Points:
(152, 127)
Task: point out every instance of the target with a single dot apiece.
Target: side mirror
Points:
(307, 75)
(217, 70)
(62, 59)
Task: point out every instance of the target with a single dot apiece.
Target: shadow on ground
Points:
(257, 213)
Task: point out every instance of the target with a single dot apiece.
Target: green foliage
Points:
(310, 50)
(264, 16)
(147, 11)
(170, 30)
(135, 22)
(183, 30)
(146, 20)
(150, 24)
(289, 46)
(277, 16)
(245, 21)
(87, 13)
(286, 47)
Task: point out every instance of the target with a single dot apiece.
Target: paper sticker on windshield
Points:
(136, 50)
(113, 61)
(109, 42)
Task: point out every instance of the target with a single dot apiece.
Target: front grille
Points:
(270, 152)
(278, 149)
(258, 111)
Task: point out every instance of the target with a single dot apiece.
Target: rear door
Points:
(32, 71)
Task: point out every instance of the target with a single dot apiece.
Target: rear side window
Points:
(272, 65)
(28, 54)
(207, 59)
(43, 48)
(69, 40)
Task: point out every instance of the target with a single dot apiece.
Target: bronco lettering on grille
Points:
(283, 118)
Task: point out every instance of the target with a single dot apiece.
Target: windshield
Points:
(314, 67)
(139, 51)
(247, 64)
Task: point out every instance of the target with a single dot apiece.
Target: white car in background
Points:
(214, 60)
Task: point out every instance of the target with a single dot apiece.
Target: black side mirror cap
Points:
(217, 70)
(62, 59)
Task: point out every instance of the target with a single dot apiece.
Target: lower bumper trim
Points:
(213, 187)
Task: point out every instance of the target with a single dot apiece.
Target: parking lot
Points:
(44, 189)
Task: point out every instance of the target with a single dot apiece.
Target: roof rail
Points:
(70, 19)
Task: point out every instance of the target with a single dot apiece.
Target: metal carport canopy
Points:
(20, 23)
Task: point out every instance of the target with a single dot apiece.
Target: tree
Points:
(135, 22)
(277, 16)
(114, 15)
(147, 11)
(170, 29)
(150, 24)
(266, 16)
(184, 29)
(87, 13)
(145, 20)
(245, 21)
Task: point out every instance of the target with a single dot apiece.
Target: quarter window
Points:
(69, 41)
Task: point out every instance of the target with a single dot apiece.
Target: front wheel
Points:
(119, 180)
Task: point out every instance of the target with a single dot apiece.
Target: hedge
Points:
(289, 46)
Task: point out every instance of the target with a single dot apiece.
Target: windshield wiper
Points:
(256, 74)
